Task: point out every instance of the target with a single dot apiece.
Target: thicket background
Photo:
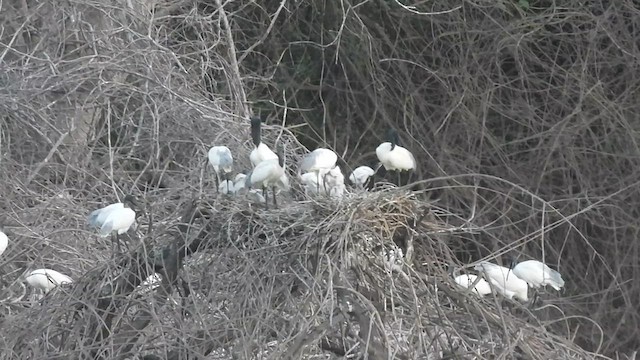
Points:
(522, 116)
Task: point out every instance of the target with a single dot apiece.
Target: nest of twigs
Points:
(319, 278)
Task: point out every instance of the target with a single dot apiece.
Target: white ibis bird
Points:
(334, 182)
(47, 279)
(537, 274)
(254, 195)
(311, 183)
(267, 174)
(261, 152)
(362, 176)
(393, 156)
(482, 288)
(239, 182)
(115, 219)
(4, 240)
(320, 161)
(504, 281)
(222, 161)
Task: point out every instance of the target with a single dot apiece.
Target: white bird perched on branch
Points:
(115, 219)
(393, 156)
(537, 274)
(4, 240)
(222, 161)
(320, 161)
(267, 174)
(482, 288)
(361, 176)
(504, 281)
(261, 152)
(47, 279)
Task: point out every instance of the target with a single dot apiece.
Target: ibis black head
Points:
(130, 201)
(256, 124)
(392, 137)
(512, 261)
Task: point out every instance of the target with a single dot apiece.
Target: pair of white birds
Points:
(319, 173)
(114, 220)
(43, 279)
(268, 167)
(511, 282)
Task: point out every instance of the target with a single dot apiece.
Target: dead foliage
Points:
(520, 115)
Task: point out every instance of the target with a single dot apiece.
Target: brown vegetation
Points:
(520, 115)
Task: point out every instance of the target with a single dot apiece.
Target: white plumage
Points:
(4, 240)
(334, 182)
(537, 274)
(360, 175)
(47, 279)
(254, 195)
(222, 161)
(393, 156)
(118, 221)
(116, 217)
(311, 183)
(238, 183)
(320, 161)
(261, 152)
(465, 280)
(283, 183)
(504, 280)
(97, 217)
(268, 174)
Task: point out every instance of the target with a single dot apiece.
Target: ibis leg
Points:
(217, 184)
(399, 179)
(275, 203)
(266, 197)
(115, 244)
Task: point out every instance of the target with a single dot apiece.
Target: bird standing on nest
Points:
(115, 219)
(394, 157)
(362, 177)
(268, 173)
(320, 161)
(222, 161)
(261, 152)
